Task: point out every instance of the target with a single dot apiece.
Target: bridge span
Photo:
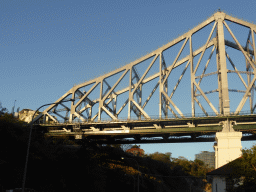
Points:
(209, 69)
(153, 130)
(206, 70)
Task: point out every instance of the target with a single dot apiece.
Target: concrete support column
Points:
(228, 146)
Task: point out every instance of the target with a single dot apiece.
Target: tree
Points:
(244, 168)
(136, 150)
(125, 147)
(164, 157)
(135, 146)
(2, 109)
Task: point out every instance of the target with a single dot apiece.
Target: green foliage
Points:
(196, 168)
(2, 109)
(164, 157)
(244, 170)
(194, 171)
(135, 146)
(54, 166)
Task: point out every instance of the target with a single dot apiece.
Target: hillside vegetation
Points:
(55, 166)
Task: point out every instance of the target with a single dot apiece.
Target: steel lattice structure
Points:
(100, 96)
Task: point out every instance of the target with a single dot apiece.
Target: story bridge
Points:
(208, 73)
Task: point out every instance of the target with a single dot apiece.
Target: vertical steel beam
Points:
(90, 114)
(163, 103)
(254, 51)
(248, 69)
(130, 94)
(44, 118)
(72, 108)
(140, 99)
(219, 77)
(192, 74)
(100, 100)
(219, 17)
(114, 106)
(166, 90)
(160, 85)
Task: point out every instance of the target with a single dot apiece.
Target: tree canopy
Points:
(245, 170)
(64, 161)
(2, 109)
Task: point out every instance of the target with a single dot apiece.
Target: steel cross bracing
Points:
(104, 94)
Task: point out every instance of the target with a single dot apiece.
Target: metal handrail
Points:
(152, 118)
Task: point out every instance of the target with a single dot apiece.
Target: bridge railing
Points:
(152, 118)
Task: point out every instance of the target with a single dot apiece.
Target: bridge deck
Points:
(191, 129)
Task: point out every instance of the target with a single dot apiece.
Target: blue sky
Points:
(48, 46)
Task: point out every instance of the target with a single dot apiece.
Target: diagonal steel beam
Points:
(207, 100)
(241, 104)
(95, 116)
(254, 48)
(181, 76)
(105, 81)
(55, 120)
(207, 63)
(86, 94)
(240, 47)
(56, 102)
(85, 107)
(248, 40)
(141, 110)
(180, 62)
(87, 98)
(172, 111)
(234, 45)
(237, 72)
(79, 116)
(114, 86)
(239, 21)
(151, 94)
(174, 62)
(200, 105)
(60, 115)
(122, 107)
(176, 108)
(110, 114)
(204, 48)
(146, 72)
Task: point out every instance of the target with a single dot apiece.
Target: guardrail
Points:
(152, 118)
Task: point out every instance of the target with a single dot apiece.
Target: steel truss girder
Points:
(136, 81)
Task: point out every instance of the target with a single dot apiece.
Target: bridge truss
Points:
(210, 74)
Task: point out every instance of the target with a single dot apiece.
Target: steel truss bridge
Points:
(198, 72)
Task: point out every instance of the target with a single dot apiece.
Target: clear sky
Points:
(48, 46)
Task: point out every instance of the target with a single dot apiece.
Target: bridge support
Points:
(228, 146)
